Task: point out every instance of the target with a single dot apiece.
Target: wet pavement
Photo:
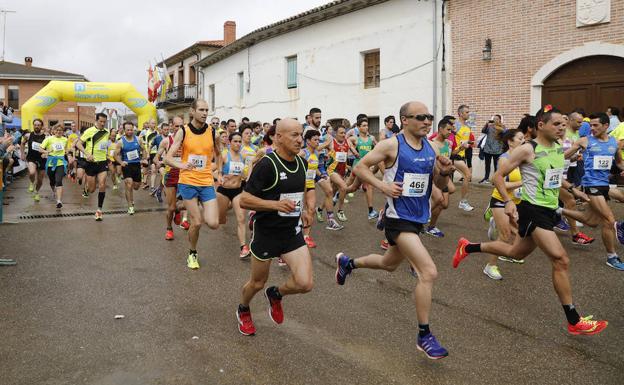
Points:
(74, 275)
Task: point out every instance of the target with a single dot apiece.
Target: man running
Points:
(361, 144)
(94, 143)
(36, 164)
(440, 198)
(196, 182)
(462, 138)
(130, 154)
(413, 165)
(275, 190)
(541, 163)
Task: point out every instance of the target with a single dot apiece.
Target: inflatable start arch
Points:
(85, 92)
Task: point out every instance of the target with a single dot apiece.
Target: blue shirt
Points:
(127, 147)
(598, 157)
(584, 130)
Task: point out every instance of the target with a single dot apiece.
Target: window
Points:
(373, 125)
(14, 97)
(241, 85)
(192, 76)
(2, 93)
(291, 72)
(371, 69)
(211, 97)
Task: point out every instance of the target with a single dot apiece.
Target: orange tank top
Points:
(197, 150)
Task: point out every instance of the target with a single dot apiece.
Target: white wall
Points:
(331, 67)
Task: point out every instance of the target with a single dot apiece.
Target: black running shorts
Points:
(395, 226)
(132, 170)
(531, 216)
(94, 168)
(266, 243)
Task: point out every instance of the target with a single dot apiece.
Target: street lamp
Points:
(487, 50)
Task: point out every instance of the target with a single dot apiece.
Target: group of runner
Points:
(273, 171)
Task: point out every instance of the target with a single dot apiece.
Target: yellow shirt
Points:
(96, 143)
(71, 139)
(462, 135)
(55, 146)
(618, 134)
(513, 176)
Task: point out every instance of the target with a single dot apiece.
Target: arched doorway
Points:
(592, 83)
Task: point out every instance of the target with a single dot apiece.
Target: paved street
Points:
(74, 275)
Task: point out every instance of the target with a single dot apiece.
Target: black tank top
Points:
(38, 138)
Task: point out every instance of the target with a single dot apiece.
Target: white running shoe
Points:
(464, 205)
(492, 271)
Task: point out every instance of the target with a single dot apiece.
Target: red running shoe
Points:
(309, 241)
(460, 252)
(169, 235)
(275, 307)
(245, 323)
(185, 224)
(582, 239)
(587, 326)
(384, 244)
(177, 218)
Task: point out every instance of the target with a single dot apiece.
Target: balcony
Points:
(179, 96)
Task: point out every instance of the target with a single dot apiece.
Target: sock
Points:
(243, 308)
(80, 182)
(330, 215)
(273, 292)
(192, 251)
(559, 210)
(169, 228)
(473, 248)
(611, 255)
(101, 196)
(352, 264)
(423, 330)
(571, 314)
(370, 209)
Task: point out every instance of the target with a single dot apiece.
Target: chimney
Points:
(229, 32)
(28, 61)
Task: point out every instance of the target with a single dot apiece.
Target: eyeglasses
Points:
(177, 125)
(420, 117)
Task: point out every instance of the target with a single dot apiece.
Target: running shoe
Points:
(85, 194)
(31, 187)
(351, 195)
(281, 262)
(98, 215)
(510, 260)
(460, 252)
(587, 326)
(616, 263)
(487, 214)
(309, 241)
(619, 231)
(130, 210)
(319, 215)
(245, 323)
(185, 224)
(373, 215)
(464, 205)
(169, 235)
(244, 253)
(434, 231)
(492, 231)
(341, 216)
(381, 223)
(484, 181)
(59, 205)
(492, 271)
(177, 218)
(275, 307)
(332, 224)
(335, 198)
(582, 239)
(37, 198)
(384, 244)
(192, 262)
(562, 226)
(342, 269)
(431, 347)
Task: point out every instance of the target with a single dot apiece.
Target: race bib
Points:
(236, 168)
(298, 199)
(603, 162)
(132, 155)
(198, 161)
(57, 146)
(341, 157)
(111, 152)
(518, 193)
(415, 185)
(103, 146)
(36, 146)
(310, 174)
(553, 178)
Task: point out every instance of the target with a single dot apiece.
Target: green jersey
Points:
(542, 177)
(96, 143)
(55, 146)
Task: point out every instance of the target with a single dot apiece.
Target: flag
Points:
(166, 79)
(157, 83)
(151, 96)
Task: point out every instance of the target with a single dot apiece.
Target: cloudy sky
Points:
(113, 40)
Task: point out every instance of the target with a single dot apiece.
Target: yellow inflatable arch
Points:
(85, 92)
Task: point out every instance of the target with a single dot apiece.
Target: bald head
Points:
(416, 126)
(288, 136)
(413, 108)
(286, 125)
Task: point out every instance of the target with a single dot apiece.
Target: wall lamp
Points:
(487, 50)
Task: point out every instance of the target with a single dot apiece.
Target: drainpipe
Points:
(443, 69)
(434, 106)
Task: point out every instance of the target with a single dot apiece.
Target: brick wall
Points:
(525, 35)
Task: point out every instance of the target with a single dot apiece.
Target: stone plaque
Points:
(591, 12)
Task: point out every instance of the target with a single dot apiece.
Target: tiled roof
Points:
(10, 70)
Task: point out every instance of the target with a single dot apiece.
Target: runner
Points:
(541, 164)
(53, 148)
(196, 181)
(114, 168)
(462, 139)
(361, 145)
(36, 164)
(336, 169)
(94, 143)
(276, 191)
(81, 163)
(231, 186)
(149, 136)
(69, 150)
(130, 154)
(440, 198)
(412, 166)
(599, 149)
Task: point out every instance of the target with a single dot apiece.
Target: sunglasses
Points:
(421, 117)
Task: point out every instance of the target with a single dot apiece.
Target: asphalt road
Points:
(74, 275)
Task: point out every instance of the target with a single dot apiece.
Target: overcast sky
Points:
(113, 40)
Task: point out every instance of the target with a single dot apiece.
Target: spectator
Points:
(614, 118)
(6, 116)
(493, 147)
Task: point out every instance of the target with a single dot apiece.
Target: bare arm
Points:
(442, 170)
(517, 157)
(177, 142)
(579, 144)
(384, 152)
(252, 202)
